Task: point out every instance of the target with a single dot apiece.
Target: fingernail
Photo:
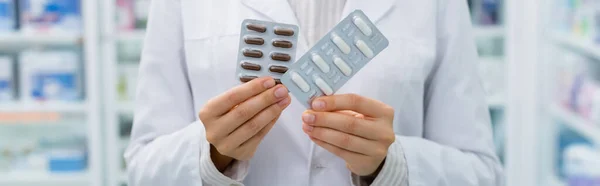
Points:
(269, 83)
(308, 118)
(307, 127)
(284, 102)
(281, 92)
(318, 104)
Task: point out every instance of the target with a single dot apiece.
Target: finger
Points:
(366, 106)
(352, 113)
(342, 122)
(348, 156)
(249, 108)
(344, 141)
(222, 103)
(256, 125)
(349, 113)
(250, 146)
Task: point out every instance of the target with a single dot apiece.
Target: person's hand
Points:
(237, 120)
(357, 129)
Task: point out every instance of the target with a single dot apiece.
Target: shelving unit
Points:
(561, 55)
(136, 35)
(89, 108)
(493, 31)
(496, 102)
(126, 107)
(39, 39)
(75, 107)
(45, 179)
(577, 44)
(123, 177)
(115, 108)
(554, 182)
(575, 122)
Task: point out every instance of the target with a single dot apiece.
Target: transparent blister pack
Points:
(265, 49)
(336, 57)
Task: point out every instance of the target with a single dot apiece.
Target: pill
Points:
(323, 86)
(364, 48)
(362, 26)
(278, 69)
(280, 56)
(256, 27)
(254, 40)
(251, 66)
(284, 31)
(318, 60)
(247, 78)
(282, 44)
(252, 53)
(300, 82)
(340, 43)
(277, 81)
(342, 65)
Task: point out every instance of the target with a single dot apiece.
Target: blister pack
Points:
(265, 49)
(338, 56)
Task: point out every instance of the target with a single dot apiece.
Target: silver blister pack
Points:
(265, 49)
(336, 57)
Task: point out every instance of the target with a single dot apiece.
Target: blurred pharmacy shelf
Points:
(554, 181)
(577, 123)
(123, 178)
(48, 27)
(17, 38)
(125, 33)
(44, 178)
(492, 72)
(126, 107)
(44, 107)
(491, 59)
(493, 31)
(577, 44)
(496, 102)
(135, 35)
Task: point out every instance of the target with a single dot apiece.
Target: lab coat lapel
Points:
(375, 9)
(276, 10)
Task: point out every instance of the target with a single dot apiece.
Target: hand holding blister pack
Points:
(338, 56)
(266, 49)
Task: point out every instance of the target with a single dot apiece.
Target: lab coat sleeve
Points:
(457, 147)
(168, 145)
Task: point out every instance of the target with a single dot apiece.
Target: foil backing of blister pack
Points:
(335, 58)
(265, 49)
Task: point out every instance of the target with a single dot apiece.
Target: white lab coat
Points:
(428, 74)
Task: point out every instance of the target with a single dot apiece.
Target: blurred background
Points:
(68, 72)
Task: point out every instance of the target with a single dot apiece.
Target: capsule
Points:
(252, 53)
(325, 88)
(251, 66)
(254, 40)
(300, 82)
(364, 48)
(277, 81)
(282, 44)
(256, 27)
(342, 65)
(340, 43)
(245, 79)
(278, 69)
(284, 31)
(280, 56)
(362, 26)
